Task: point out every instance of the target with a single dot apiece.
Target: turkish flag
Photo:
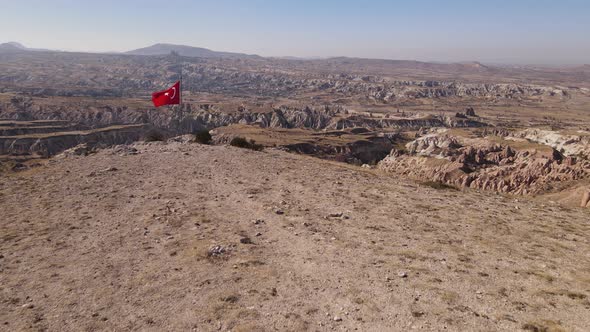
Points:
(167, 97)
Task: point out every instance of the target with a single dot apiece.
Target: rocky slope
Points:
(181, 236)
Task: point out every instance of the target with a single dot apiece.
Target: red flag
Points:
(167, 97)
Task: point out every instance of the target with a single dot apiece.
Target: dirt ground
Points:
(210, 238)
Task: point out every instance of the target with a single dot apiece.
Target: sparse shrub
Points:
(254, 146)
(154, 135)
(202, 137)
(241, 142)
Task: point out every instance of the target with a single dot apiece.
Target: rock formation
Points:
(481, 164)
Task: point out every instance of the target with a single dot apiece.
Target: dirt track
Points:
(109, 242)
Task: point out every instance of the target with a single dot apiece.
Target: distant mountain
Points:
(190, 51)
(12, 46)
(18, 47)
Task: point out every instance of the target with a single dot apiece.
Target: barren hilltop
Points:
(182, 236)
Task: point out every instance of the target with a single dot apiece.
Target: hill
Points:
(189, 51)
(180, 236)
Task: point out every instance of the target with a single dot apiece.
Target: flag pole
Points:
(178, 57)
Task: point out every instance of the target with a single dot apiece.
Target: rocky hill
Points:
(181, 236)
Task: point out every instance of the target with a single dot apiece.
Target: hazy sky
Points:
(509, 31)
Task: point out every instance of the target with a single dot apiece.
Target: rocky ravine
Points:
(176, 121)
(191, 117)
(181, 236)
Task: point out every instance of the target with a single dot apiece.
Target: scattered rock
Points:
(124, 150)
(279, 211)
(19, 167)
(182, 139)
(216, 250)
(417, 314)
(402, 274)
(337, 318)
(78, 150)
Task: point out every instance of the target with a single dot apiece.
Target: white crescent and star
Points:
(174, 95)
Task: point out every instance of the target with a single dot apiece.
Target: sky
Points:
(500, 31)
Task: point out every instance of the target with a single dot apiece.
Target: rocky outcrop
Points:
(484, 165)
(568, 144)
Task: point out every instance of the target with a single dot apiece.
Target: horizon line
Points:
(312, 57)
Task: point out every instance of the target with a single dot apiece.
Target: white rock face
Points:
(569, 145)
